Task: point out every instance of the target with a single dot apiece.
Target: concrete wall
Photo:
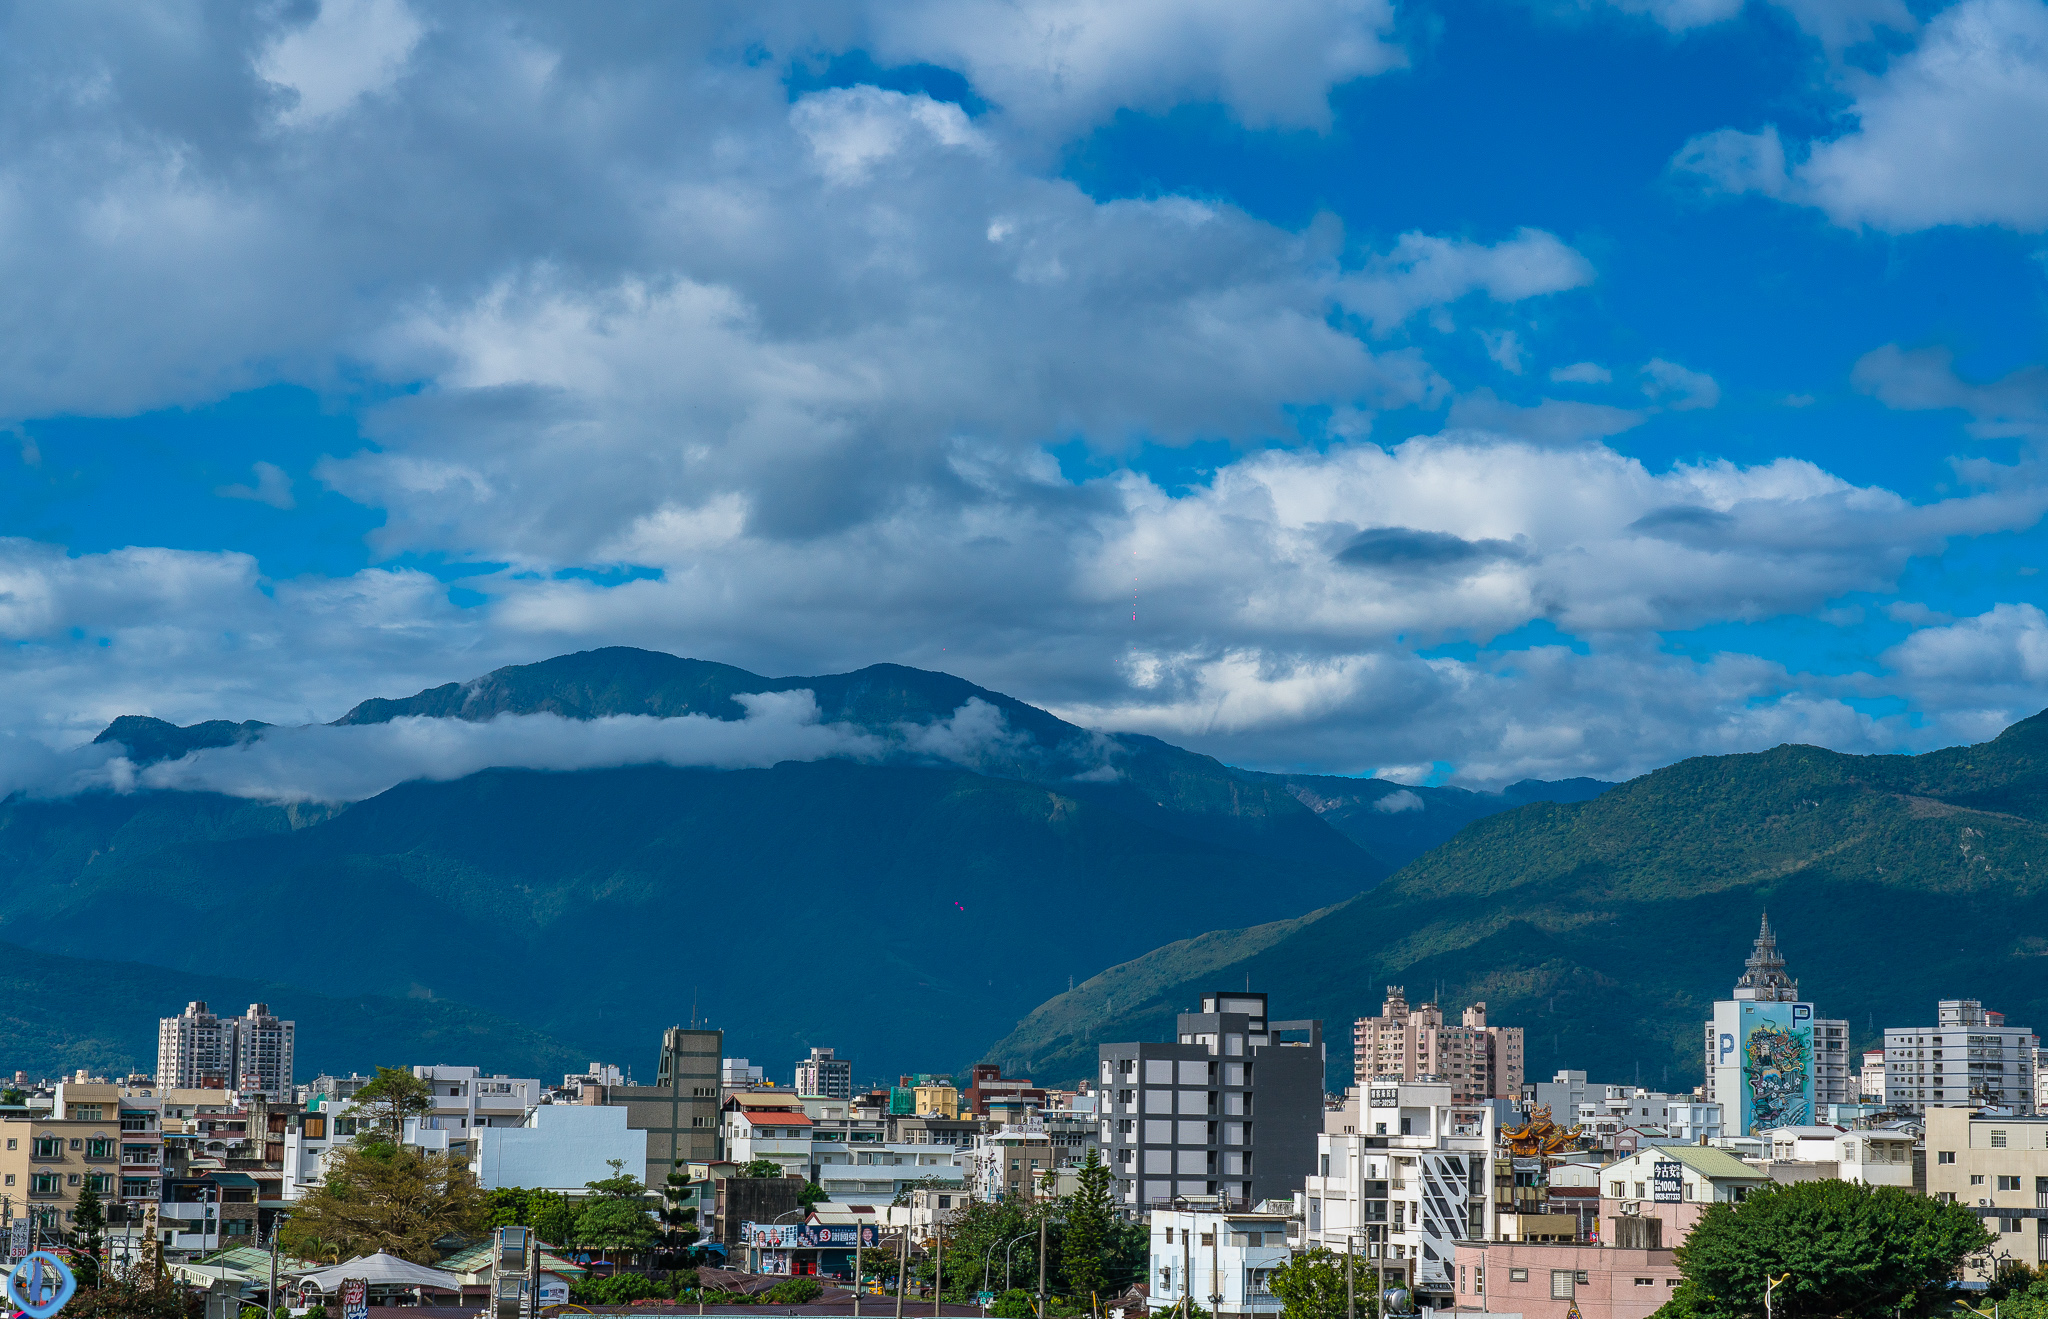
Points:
(567, 1146)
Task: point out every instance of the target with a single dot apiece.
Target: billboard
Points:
(1667, 1182)
(355, 1299)
(1767, 1049)
(775, 1236)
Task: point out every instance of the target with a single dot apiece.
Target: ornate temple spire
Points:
(1763, 977)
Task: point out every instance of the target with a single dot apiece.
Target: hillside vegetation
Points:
(1606, 928)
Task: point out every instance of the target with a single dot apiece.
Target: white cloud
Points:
(1837, 24)
(1424, 271)
(352, 48)
(1058, 64)
(1954, 131)
(1581, 373)
(1396, 802)
(272, 487)
(1553, 420)
(1677, 388)
(1505, 348)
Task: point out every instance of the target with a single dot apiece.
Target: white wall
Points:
(563, 1147)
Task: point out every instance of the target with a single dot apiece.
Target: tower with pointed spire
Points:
(1771, 1061)
(1763, 975)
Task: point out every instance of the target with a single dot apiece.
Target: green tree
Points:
(393, 1096)
(13, 1096)
(760, 1168)
(396, 1198)
(1086, 1259)
(811, 1194)
(615, 1215)
(679, 1222)
(1856, 1252)
(87, 1238)
(1311, 1286)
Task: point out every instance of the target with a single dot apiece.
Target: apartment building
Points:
(252, 1053)
(1870, 1080)
(1223, 1262)
(824, 1075)
(1559, 1280)
(47, 1159)
(1404, 1044)
(1416, 1177)
(769, 1125)
(1998, 1167)
(1968, 1058)
(1866, 1157)
(986, 1085)
(1232, 1108)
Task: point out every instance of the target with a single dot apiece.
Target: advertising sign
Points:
(773, 1236)
(1776, 1051)
(17, 1239)
(355, 1299)
(1667, 1182)
(842, 1235)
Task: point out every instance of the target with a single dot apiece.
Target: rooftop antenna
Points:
(693, 1007)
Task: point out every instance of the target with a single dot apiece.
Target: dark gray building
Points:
(1232, 1108)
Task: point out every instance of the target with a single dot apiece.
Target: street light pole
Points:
(1771, 1285)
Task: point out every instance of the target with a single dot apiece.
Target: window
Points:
(1998, 1140)
(100, 1183)
(46, 1147)
(2008, 1183)
(1646, 1282)
(2009, 1224)
(77, 1143)
(1616, 1190)
(314, 1127)
(237, 1227)
(1976, 1179)
(1518, 1275)
(1560, 1284)
(74, 1179)
(45, 1183)
(12, 1143)
(1944, 1156)
(99, 1147)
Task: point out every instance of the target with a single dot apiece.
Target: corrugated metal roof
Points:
(1709, 1162)
(778, 1117)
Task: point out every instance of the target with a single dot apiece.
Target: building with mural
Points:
(1772, 1061)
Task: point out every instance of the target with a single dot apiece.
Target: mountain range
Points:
(905, 910)
(1605, 928)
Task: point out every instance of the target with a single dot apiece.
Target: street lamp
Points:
(1771, 1285)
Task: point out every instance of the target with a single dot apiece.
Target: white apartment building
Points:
(264, 1046)
(252, 1053)
(1967, 1059)
(824, 1075)
(1416, 1178)
(1870, 1081)
(1868, 1158)
(466, 1099)
(560, 1148)
(781, 1135)
(1225, 1260)
(1997, 1167)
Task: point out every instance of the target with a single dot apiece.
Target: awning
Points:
(382, 1270)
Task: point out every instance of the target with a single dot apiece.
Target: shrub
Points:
(796, 1291)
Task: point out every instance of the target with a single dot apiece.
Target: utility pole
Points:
(902, 1266)
(938, 1262)
(1216, 1269)
(1041, 1266)
(275, 1223)
(1187, 1267)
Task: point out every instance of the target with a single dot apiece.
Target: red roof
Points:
(776, 1117)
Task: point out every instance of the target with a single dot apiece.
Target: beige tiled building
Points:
(46, 1161)
(1410, 1044)
(1998, 1166)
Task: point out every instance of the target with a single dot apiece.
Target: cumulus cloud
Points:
(1395, 803)
(1581, 373)
(1955, 131)
(1054, 64)
(352, 48)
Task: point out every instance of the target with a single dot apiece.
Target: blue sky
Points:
(1462, 390)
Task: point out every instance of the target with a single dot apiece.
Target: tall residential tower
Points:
(1770, 1061)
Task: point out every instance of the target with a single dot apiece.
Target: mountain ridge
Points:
(1639, 905)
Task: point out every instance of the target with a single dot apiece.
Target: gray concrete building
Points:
(679, 1112)
(1231, 1108)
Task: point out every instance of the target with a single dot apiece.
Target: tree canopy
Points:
(394, 1095)
(396, 1198)
(1857, 1252)
(1311, 1286)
